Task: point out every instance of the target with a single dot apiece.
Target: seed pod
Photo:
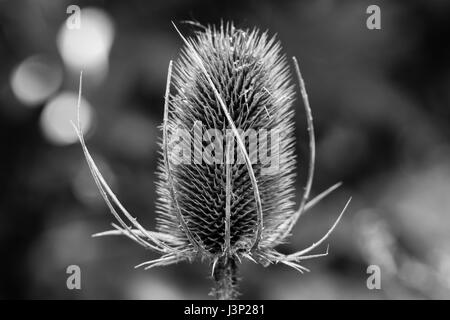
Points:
(221, 199)
(252, 77)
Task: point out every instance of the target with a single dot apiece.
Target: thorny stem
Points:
(225, 278)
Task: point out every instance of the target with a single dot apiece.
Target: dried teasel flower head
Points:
(236, 83)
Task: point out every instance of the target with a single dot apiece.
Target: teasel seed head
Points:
(252, 77)
(233, 81)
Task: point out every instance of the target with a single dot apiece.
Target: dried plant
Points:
(222, 213)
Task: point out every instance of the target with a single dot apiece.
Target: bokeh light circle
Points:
(57, 114)
(35, 79)
(88, 47)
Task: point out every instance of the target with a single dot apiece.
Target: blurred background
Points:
(380, 101)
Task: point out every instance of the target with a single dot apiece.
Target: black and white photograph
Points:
(224, 150)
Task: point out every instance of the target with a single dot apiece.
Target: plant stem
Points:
(225, 278)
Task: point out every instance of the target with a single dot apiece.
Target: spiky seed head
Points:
(226, 209)
(252, 77)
